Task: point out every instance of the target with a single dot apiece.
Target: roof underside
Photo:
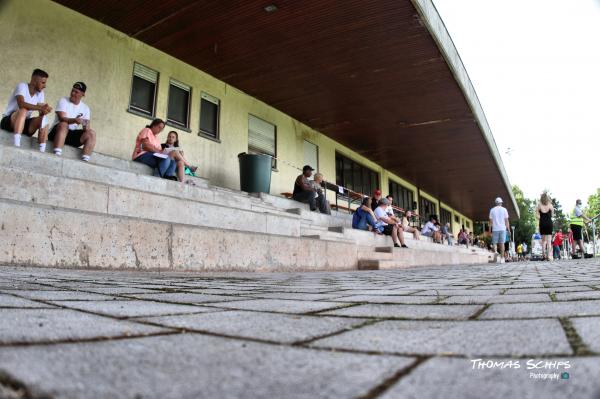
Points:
(366, 73)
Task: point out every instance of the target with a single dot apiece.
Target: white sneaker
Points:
(501, 260)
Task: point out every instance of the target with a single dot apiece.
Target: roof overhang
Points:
(379, 76)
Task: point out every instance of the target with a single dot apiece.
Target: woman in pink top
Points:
(147, 144)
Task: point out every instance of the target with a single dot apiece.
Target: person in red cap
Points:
(375, 199)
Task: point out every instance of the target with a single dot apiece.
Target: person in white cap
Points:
(499, 226)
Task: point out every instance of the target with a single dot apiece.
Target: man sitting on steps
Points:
(26, 98)
(305, 191)
(390, 227)
(72, 123)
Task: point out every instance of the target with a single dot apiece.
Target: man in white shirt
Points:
(72, 123)
(24, 100)
(499, 226)
(390, 227)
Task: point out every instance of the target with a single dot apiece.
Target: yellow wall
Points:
(72, 47)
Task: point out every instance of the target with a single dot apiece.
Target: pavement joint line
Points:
(478, 313)
(339, 307)
(390, 381)
(577, 345)
(72, 341)
(20, 389)
(335, 333)
(552, 296)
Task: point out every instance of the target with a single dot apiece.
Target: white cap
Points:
(498, 200)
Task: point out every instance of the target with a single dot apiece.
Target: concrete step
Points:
(32, 234)
(407, 257)
(74, 169)
(30, 187)
(31, 143)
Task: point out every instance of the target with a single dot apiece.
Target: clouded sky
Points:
(535, 65)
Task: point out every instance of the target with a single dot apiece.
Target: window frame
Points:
(401, 192)
(171, 122)
(258, 151)
(204, 133)
(364, 171)
(136, 110)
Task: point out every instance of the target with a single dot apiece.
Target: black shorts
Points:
(6, 125)
(387, 229)
(73, 136)
(576, 229)
(507, 246)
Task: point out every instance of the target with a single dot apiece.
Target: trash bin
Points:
(255, 172)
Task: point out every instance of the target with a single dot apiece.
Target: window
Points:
(143, 90)
(403, 197)
(445, 216)
(262, 138)
(311, 154)
(456, 219)
(179, 104)
(468, 224)
(209, 116)
(427, 208)
(354, 176)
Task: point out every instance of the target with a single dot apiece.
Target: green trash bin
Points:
(255, 172)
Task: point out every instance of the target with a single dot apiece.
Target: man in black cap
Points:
(304, 191)
(72, 123)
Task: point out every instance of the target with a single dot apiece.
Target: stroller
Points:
(536, 247)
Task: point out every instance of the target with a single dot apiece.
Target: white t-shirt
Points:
(380, 213)
(429, 227)
(22, 89)
(71, 110)
(498, 214)
(389, 210)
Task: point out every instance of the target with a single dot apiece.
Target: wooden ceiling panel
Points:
(366, 73)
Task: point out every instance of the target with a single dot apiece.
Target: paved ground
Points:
(491, 331)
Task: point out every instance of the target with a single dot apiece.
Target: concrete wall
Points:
(72, 47)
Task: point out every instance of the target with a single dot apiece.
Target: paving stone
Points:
(377, 292)
(408, 299)
(264, 326)
(293, 296)
(479, 299)
(64, 296)
(9, 301)
(571, 296)
(512, 291)
(32, 325)
(185, 297)
(455, 378)
(473, 338)
(536, 310)
(279, 305)
(408, 311)
(195, 366)
(447, 292)
(130, 308)
(118, 290)
(588, 329)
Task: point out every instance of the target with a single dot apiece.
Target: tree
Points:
(560, 220)
(525, 225)
(593, 208)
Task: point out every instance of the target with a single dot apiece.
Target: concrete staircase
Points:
(112, 213)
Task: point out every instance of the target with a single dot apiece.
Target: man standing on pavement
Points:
(577, 219)
(499, 227)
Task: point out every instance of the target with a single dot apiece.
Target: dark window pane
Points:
(142, 95)
(178, 106)
(209, 117)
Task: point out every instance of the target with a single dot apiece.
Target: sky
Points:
(535, 65)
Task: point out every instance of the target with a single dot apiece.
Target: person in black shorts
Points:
(72, 123)
(26, 99)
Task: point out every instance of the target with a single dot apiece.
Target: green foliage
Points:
(560, 219)
(593, 208)
(525, 226)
